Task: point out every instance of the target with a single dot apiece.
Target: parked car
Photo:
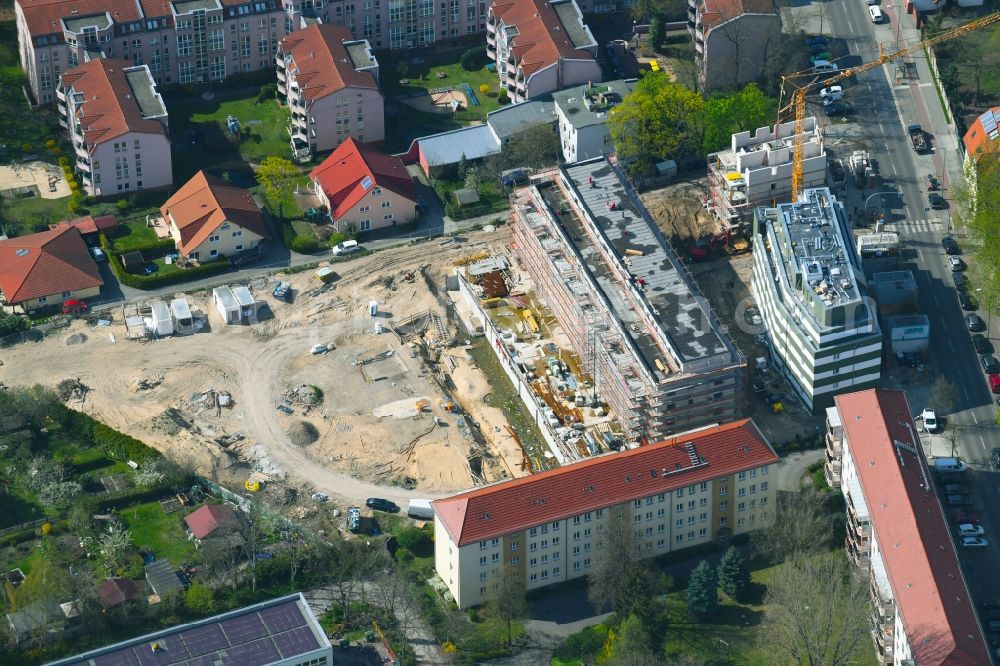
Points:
(967, 302)
(824, 67)
(876, 14)
(990, 364)
(832, 93)
(995, 457)
(975, 323)
(962, 516)
(345, 248)
(953, 489)
(937, 201)
(816, 40)
(974, 542)
(98, 254)
(994, 382)
(380, 504)
(957, 500)
(950, 246)
(961, 282)
(841, 108)
(929, 417)
(989, 602)
(820, 55)
(969, 529)
(318, 349)
(956, 264)
(981, 344)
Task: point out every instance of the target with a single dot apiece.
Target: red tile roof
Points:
(541, 37)
(342, 176)
(109, 109)
(89, 224)
(42, 16)
(604, 481)
(982, 138)
(46, 264)
(204, 203)
(715, 12)
(209, 518)
(915, 542)
(324, 67)
(117, 591)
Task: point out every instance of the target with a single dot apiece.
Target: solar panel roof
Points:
(267, 633)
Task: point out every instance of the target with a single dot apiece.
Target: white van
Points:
(345, 248)
(824, 67)
(949, 466)
(876, 13)
(420, 509)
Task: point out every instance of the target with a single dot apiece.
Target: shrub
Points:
(413, 538)
(472, 60)
(484, 88)
(156, 281)
(63, 161)
(503, 98)
(121, 204)
(585, 643)
(267, 91)
(120, 446)
(304, 244)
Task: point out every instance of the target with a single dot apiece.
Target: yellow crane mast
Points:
(798, 100)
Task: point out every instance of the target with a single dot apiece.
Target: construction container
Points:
(226, 304)
(160, 322)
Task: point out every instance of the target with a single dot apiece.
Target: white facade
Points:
(582, 112)
(226, 305)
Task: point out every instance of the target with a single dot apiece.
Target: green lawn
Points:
(201, 139)
(444, 75)
(132, 235)
(162, 533)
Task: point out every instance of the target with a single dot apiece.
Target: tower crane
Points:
(798, 97)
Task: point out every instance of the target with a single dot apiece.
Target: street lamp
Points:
(876, 194)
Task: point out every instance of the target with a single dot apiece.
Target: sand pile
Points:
(303, 433)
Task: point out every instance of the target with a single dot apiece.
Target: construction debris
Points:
(142, 383)
(72, 390)
(304, 394)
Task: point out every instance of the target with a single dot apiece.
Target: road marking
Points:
(976, 421)
(893, 167)
(887, 149)
(936, 301)
(881, 128)
(908, 214)
(849, 25)
(951, 345)
(983, 442)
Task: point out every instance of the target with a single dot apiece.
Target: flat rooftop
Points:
(188, 6)
(360, 54)
(815, 249)
(144, 92)
(274, 631)
(76, 24)
(577, 31)
(589, 105)
(681, 314)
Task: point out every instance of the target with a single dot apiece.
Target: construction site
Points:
(359, 383)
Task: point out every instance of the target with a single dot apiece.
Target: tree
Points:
(149, 474)
(702, 592)
(657, 32)
(472, 178)
(632, 643)
(943, 396)
(277, 176)
(660, 118)
(727, 114)
(463, 166)
(734, 574)
(505, 600)
(59, 495)
(668, 10)
(613, 558)
(534, 148)
(412, 538)
(816, 612)
(802, 526)
(402, 67)
(200, 599)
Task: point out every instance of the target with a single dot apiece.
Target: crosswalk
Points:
(934, 225)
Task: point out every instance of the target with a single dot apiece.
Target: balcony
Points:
(281, 74)
(300, 148)
(63, 123)
(60, 95)
(83, 164)
(834, 446)
(80, 150)
(833, 477)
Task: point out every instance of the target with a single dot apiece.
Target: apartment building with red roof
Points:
(209, 218)
(182, 41)
(540, 46)
(921, 609)
(46, 269)
(733, 40)
(117, 123)
(699, 487)
(364, 189)
(330, 83)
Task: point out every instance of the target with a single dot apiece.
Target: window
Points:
(576, 566)
(482, 576)
(545, 559)
(555, 571)
(216, 40)
(586, 547)
(703, 517)
(723, 490)
(661, 512)
(533, 531)
(740, 492)
(496, 557)
(680, 507)
(482, 545)
(218, 68)
(545, 543)
(599, 513)
(753, 488)
(763, 470)
(183, 45)
(545, 574)
(495, 542)
(704, 486)
(586, 563)
(532, 547)
(586, 517)
(533, 577)
(364, 209)
(576, 550)
(741, 506)
(637, 517)
(213, 253)
(691, 520)
(555, 541)
(387, 216)
(387, 204)
(586, 533)
(514, 561)
(723, 505)
(514, 545)
(723, 521)
(213, 239)
(576, 521)
(703, 501)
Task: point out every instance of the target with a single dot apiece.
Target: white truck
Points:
(420, 509)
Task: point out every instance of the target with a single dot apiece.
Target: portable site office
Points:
(159, 321)
(246, 302)
(183, 321)
(226, 304)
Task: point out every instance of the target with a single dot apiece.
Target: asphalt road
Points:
(883, 110)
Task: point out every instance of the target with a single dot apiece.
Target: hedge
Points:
(155, 281)
(154, 250)
(119, 446)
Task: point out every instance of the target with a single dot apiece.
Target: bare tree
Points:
(802, 527)
(392, 593)
(613, 559)
(349, 564)
(817, 612)
(943, 397)
(505, 599)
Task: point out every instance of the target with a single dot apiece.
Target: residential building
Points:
(705, 486)
(208, 219)
(733, 40)
(822, 331)
(182, 41)
(921, 609)
(365, 189)
(46, 269)
(206, 519)
(90, 227)
(439, 154)
(116, 591)
(115, 118)
(583, 118)
(659, 357)
(540, 46)
(330, 83)
(983, 135)
(756, 169)
(280, 632)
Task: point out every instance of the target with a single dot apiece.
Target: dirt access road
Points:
(358, 442)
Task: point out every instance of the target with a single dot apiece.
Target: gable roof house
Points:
(117, 123)
(208, 218)
(89, 226)
(733, 40)
(365, 189)
(116, 591)
(330, 81)
(540, 46)
(46, 269)
(207, 519)
(983, 135)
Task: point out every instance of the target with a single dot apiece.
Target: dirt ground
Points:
(38, 174)
(437, 102)
(678, 211)
(379, 428)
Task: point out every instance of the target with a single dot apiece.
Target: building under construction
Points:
(657, 353)
(756, 170)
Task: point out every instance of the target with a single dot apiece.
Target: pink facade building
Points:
(118, 125)
(540, 46)
(330, 82)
